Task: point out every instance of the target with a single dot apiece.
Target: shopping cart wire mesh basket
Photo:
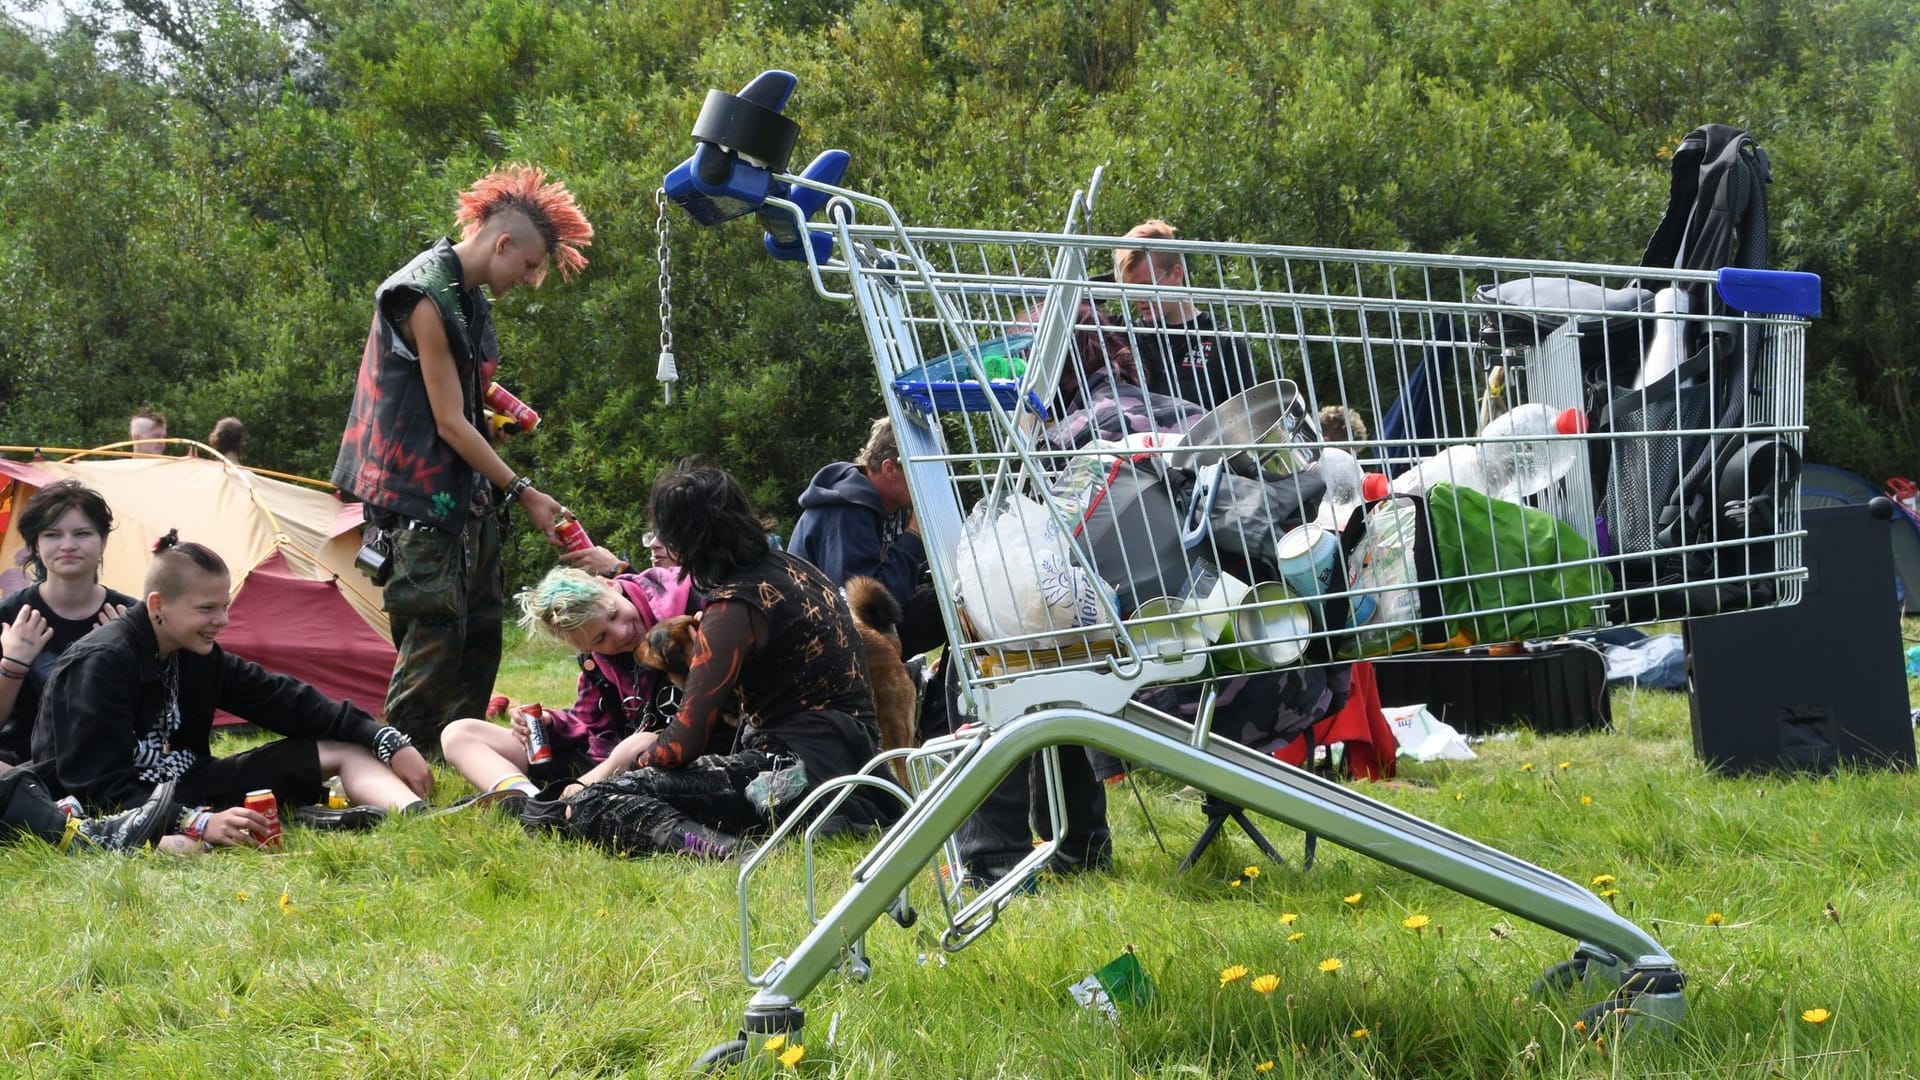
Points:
(1122, 482)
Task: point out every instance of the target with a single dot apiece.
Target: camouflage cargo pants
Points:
(444, 607)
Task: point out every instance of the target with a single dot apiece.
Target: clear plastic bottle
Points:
(1506, 470)
(1342, 474)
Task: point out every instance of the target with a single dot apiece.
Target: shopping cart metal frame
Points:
(1036, 691)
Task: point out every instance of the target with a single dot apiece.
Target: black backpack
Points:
(1664, 493)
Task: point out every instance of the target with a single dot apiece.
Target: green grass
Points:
(461, 947)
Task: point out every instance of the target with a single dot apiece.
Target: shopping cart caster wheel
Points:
(903, 913)
(856, 969)
(1561, 979)
(1645, 1001)
(722, 1057)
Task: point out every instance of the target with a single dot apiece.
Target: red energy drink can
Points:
(504, 403)
(538, 748)
(70, 806)
(263, 803)
(571, 534)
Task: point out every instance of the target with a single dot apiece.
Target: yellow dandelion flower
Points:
(791, 1058)
(1234, 884)
(1288, 918)
(1527, 767)
(600, 913)
(1580, 1026)
(1265, 985)
(1714, 918)
(1603, 879)
(1330, 965)
(1294, 937)
(1564, 766)
(1264, 1067)
(1251, 871)
(1816, 1016)
(1416, 922)
(1354, 900)
(776, 1044)
(286, 903)
(1586, 800)
(1608, 894)
(1232, 974)
(1361, 1033)
(1459, 796)
(243, 895)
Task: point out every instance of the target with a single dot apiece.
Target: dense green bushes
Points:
(195, 216)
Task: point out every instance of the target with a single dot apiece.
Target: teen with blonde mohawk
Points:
(416, 450)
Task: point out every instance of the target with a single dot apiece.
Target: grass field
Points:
(462, 947)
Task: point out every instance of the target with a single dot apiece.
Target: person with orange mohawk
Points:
(415, 448)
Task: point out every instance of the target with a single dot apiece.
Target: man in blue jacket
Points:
(856, 518)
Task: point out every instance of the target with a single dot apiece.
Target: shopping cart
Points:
(1089, 540)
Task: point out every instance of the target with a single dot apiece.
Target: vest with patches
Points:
(391, 455)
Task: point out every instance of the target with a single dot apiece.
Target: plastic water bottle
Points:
(1668, 349)
(1506, 470)
(1342, 475)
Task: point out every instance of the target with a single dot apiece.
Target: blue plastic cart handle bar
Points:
(1771, 292)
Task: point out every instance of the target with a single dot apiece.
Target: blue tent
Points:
(1825, 485)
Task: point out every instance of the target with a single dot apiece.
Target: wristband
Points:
(193, 823)
(7, 673)
(517, 485)
(389, 741)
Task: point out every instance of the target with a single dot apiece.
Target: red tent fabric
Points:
(285, 622)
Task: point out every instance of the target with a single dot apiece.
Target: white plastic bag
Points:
(1423, 737)
(1017, 578)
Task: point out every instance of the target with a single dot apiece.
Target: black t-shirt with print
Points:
(1193, 362)
(16, 732)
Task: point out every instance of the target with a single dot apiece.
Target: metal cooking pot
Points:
(1271, 419)
(1271, 416)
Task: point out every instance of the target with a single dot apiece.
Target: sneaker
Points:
(476, 801)
(536, 815)
(128, 830)
(351, 819)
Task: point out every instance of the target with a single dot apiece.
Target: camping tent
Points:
(299, 605)
(1825, 485)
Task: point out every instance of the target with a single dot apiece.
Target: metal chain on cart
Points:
(667, 373)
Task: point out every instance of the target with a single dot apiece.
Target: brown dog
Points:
(669, 647)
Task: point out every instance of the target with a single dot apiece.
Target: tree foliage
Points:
(197, 197)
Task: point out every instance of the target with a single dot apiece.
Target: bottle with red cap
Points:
(1509, 470)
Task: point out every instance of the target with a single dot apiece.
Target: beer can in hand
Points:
(501, 401)
(538, 748)
(263, 803)
(571, 534)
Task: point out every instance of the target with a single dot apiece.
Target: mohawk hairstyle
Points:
(549, 206)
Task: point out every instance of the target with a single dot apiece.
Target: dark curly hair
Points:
(704, 518)
(49, 505)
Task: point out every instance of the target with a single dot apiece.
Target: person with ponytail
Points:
(418, 450)
(130, 707)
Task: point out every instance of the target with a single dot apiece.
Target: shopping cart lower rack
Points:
(1123, 482)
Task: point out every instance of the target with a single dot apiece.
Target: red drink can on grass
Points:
(571, 534)
(263, 803)
(501, 401)
(538, 748)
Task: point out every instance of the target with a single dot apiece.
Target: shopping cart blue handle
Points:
(1206, 485)
(1770, 292)
(783, 235)
(741, 140)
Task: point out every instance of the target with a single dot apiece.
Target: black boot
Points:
(128, 830)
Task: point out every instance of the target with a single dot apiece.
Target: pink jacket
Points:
(612, 704)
